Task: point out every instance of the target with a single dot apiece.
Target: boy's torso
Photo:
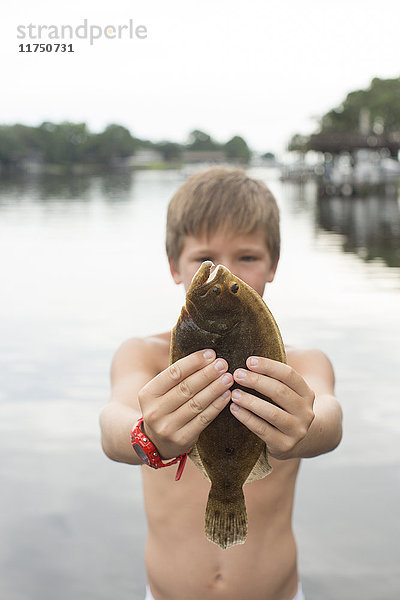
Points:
(183, 565)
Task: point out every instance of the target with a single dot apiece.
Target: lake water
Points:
(83, 268)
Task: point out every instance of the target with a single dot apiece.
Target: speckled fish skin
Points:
(225, 314)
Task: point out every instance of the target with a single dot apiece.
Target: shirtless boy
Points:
(222, 215)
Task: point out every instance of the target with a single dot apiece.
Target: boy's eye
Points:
(202, 259)
(248, 258)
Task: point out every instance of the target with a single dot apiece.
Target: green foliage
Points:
(70, 144)
(62, 144)
(15, 141)
(237, 149)
(201, 141)
(381, 101)
(65, 144)
(170, 151)
(377, 108)
(113, 143)
(298, 143)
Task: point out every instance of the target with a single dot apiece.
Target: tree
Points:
(170, 150)
(199, 140)
(113, 143)
(298, 143)
(237, 149)
(381, 101)
(375, 109)
(18, 142)
(63, 143)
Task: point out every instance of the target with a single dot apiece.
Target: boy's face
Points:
(245, 255)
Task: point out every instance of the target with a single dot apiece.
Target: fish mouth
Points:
(202, 275)
(213, 274)
(212, 279)
(205, 278)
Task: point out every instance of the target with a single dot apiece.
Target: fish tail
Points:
(226, 520)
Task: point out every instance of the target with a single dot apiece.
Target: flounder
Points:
(225, 314)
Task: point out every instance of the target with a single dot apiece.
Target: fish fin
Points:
(261, 469)
(196, 458)
(226, 521)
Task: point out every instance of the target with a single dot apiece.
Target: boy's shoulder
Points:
(150, 353)
(310, 361)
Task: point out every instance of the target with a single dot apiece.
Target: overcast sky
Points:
(261, 69)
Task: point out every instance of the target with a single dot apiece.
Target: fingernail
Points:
(220, 365)
(226, 379)
(236, 394)
(234, 407)
(208, 354)
(253, 361)
(226, 395)
(240, 374)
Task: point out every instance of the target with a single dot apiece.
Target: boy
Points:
(222, 215)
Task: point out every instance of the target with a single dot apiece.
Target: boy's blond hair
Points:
(220, 198)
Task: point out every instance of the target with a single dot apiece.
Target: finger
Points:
(168, 435)
(280, 371)
(277, 391)
(186, 389)
(196, 405)
(194, 427)
(267, 432)
(178, 371)
(275, 416)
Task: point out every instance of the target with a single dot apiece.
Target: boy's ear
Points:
(272, 272)
(176, 276)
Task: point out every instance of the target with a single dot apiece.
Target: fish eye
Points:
(216, 290)
(234, 287)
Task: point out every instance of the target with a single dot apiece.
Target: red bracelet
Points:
(148, 453)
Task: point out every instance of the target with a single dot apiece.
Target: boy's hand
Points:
(282, 426)
(183, 399)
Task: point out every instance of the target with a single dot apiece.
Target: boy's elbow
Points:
(105, 438)
(337, 438)
(114, 439)
(107, 449)
(110, 450)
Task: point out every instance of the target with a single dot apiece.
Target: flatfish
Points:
(225, 314)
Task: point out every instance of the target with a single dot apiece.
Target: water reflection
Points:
(44, 187)
(370, 225)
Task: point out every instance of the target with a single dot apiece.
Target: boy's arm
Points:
(306, 419)
(325, 431)
(176, 403)
(130, 371)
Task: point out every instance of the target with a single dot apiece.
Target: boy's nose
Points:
(228, 265)
(225, 263)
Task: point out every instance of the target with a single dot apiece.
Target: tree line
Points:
(70, 143)
(376, 109)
